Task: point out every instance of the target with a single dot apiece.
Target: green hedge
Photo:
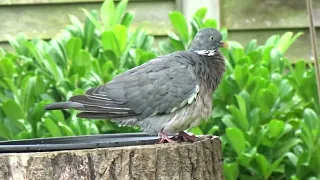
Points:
(265, 109)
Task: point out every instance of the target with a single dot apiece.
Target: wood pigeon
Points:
(163, 96)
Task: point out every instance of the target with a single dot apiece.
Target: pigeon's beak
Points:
(223, 44)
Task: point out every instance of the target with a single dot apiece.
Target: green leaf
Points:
(58, 51)
(236, 50)
(201, 13)
(3, 97)
(231, 171)
(275, 128)
(5, 132)
(315, 161)
(66, 129)
(272, 41)
(251, 46)
(285, 146)
(22, 135)
(298, 72)
(133, 41)
(210, 23)
(285, 89)
(13, 111)
(53, 68)
(7, 68)
(52, 127)
(304, 158)
(109, 42)
(236, 138)
(292, 157)
(120, 32)
(178, 45)
(255, 118)
(107, 14)
(263, 164)
(227, 120)
(127, 19)
(241, 75)
(35, 116)
(89, 35)
(239, 118)
(266, 100)
(196, 130)
(27, 92)
(38, 56)
(119, 12)
(242, 105)
(245, 159)
(13, 88)
(275, 166)
(286, 41)
(92, 18)
(311, 119)
(75, 21)
(213, 130)
(275, 57)
(266, 59)
(307, 136)
(180, 24)
(83, 58)
(73, 46)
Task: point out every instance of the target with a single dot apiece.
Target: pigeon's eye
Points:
(211, 37)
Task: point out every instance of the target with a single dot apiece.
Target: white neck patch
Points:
(205, 52)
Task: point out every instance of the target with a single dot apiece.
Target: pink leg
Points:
(164, 137)
(187, 137)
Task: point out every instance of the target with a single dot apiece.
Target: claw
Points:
(164, 137)
(187, 137)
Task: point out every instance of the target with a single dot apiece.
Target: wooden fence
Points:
(245, 19)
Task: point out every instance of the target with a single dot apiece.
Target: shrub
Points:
(80, 57)
(265, 109)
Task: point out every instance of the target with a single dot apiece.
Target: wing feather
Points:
(159, 86)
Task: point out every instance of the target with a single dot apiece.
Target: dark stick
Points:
(314, 45)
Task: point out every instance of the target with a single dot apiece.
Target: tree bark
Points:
(179, 161)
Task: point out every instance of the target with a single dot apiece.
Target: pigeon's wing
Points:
(160, 86)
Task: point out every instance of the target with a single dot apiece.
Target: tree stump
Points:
(179, 161)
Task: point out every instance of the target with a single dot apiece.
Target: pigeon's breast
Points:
(191, 115)
(182, 119)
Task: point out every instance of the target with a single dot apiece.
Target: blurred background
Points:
(266, 109)
(258, 19)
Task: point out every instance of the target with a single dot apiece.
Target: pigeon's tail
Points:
(63, 105)
(94, 108)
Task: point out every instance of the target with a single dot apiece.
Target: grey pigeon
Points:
(163, 96)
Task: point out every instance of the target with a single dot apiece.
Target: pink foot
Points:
(164, 137)
(187, 137)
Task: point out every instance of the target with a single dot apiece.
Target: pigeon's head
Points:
(207, 39)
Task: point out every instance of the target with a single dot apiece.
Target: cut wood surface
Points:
(180, 161)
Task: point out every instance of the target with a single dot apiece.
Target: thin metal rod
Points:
(314, 45)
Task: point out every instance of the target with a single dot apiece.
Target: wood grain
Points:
(186, 161)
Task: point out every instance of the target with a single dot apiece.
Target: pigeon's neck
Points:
(205, 52)
(210, 69)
